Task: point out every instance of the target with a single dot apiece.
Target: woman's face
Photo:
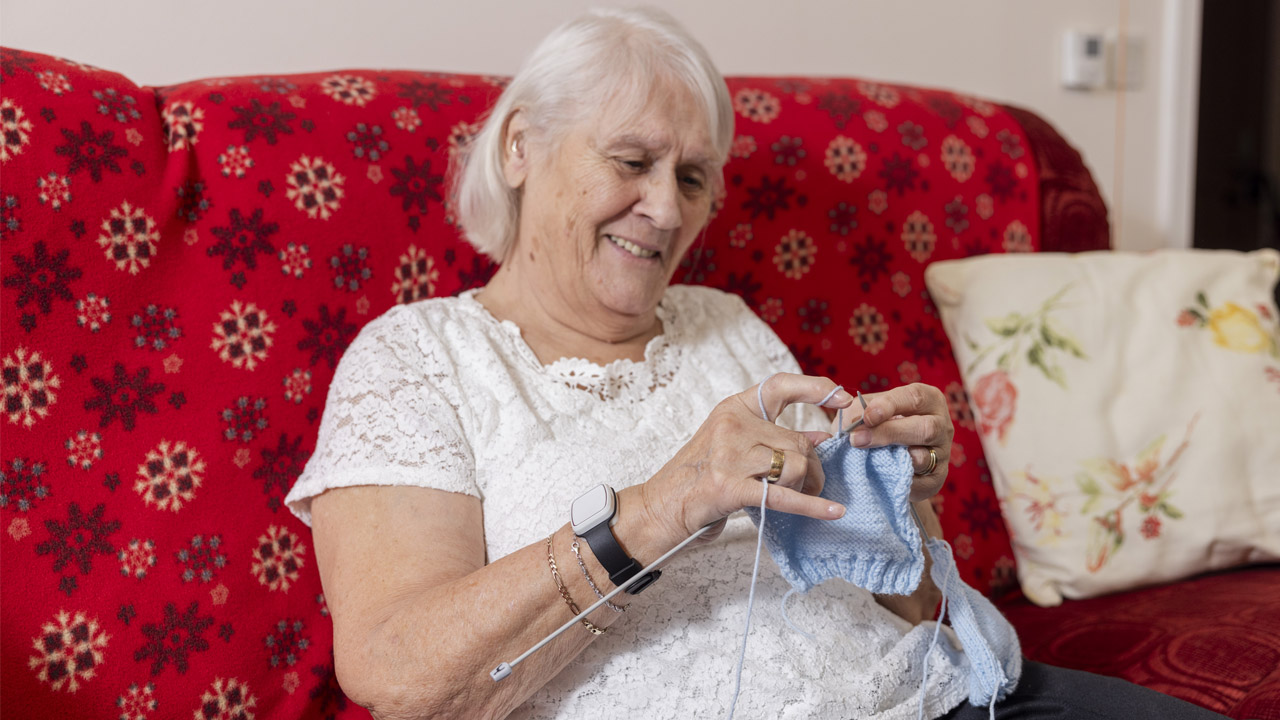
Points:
(608, 212)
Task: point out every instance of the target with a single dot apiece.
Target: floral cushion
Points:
(1128, 405)
(183, 266)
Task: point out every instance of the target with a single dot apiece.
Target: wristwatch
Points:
(592, 516)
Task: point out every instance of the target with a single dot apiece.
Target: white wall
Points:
(1006, 50)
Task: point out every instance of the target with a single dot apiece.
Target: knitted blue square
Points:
(875, 545)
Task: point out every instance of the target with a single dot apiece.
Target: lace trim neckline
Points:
(613, 380)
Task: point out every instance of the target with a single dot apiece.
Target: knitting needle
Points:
(856, 423)
(504, 669)
(923, 533)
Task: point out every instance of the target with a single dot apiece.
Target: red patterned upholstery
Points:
(1212, 640)
(183, 266)
(1074, 218)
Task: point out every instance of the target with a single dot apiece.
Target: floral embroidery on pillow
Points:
(995, 393)
(1234, 327)
(1237, 328)
(1043, 506)
(1144, 484)
(1111, 486)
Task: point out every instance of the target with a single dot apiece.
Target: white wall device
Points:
(1084, 62)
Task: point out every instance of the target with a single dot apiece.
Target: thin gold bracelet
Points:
(564, 592)
(592, 583)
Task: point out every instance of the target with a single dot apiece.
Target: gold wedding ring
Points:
(775, 467)
(933, 463)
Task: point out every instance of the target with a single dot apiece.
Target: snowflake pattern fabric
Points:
(184, 266)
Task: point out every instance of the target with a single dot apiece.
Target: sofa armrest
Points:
(1073, 216)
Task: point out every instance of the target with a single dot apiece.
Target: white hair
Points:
(604, 54)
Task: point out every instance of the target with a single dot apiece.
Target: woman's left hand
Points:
(915, 415)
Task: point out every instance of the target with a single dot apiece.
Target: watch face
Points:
(593, 507)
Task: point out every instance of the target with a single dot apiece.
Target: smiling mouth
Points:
(631, 247)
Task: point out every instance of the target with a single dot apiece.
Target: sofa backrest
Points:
(184, 266)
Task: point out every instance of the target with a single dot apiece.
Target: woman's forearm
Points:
(430, 651)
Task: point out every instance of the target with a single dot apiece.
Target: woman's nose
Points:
(660, 201)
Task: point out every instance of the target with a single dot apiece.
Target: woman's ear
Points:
(515, 150)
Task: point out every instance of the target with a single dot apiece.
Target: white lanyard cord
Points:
(504, 669)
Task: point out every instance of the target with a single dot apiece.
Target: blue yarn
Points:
(989, 641)
(877, 546)
(933, 643)
(751, 600)
(787, 617)
(755, 570)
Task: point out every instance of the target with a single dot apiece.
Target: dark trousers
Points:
(1045, 692)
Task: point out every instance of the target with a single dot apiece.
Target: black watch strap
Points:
(620, 566)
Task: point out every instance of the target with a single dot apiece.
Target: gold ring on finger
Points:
(775, 466)
(933, 463)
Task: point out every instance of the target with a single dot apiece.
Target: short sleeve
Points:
(392, 417)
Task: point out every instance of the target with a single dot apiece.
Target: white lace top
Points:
(440, 394)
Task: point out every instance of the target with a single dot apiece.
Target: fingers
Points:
(801, 469)
(783, 389)
(786, 500)
(913, 414)
(924, 487)
(913, 399)
(817, 437)
(923, 430)
(923, 462)
(718, 471)
(929, 475)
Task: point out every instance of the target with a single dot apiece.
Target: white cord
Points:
(504, 669)
(751, 600)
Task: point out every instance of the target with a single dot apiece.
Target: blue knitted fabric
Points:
(874, 546)
(989, 641)
(877, 546)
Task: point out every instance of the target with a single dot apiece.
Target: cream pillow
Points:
(1129, 408)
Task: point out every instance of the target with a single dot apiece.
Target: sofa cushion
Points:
(1128, 405)
(1213, 640)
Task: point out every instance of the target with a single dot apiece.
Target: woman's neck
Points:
(554, 330)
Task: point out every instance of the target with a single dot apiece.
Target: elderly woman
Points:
(459, 432)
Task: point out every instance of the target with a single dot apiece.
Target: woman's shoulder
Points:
(429, 318)
(428, 312)
(419, 331)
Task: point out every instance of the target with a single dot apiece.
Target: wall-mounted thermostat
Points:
(1084, 62)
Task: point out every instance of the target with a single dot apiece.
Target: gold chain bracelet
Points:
(578, 554)
(564, 592)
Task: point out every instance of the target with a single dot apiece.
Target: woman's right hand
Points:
(718, 471)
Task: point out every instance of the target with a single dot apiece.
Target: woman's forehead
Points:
(656, 122)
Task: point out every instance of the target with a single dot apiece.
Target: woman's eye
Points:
(692, 182)
(634, 164)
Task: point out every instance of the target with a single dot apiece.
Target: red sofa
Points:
(183, 266)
